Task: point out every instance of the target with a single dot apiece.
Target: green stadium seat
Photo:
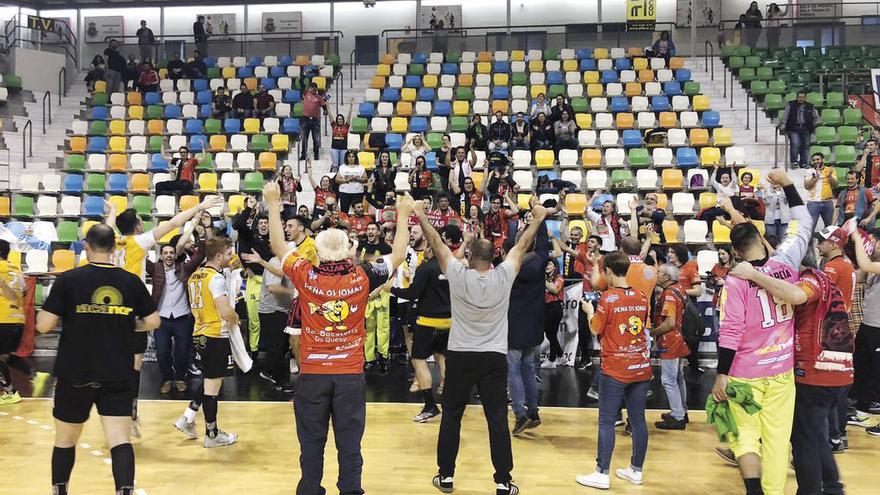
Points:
(826, 135)
(458, 123)
(621, 179)
(95, 183)
(435, 140)
(785, 76)
(758, 89)
(207, 164)
(826, 152)
(809, 65)
(580, 105)
(777, 54)
(728, 51)
(143, 205)
(764, 73)
(76, 163)
(851, 63)
(638, 158)
(464, 93)
(736, 63)
(298, 109)
(213, 73)
(155, 144)
(847, 134)
(333, 59)
(814, 52)
(873, 52)
(816, 100)
(155, 112)
(691, 88)
(834, 100)
(743, 51)
(519, 79)
(23, 206)
(555, 90)
(359, 125)
(746, 75)
(852, 116)
(213, 126)
(830, 65)
(551, 54)
(260, 142)
(773, 103)
(98, 99)
(762, 53)
(453, 57)
(98, 127)
(776, 87)
(834, 52)
(845, 154)
(67, 231)
(841, 172)
(831, 116)
(253, 182)
(854, 51)
(417, 69)
(753, 61)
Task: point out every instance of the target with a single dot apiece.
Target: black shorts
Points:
(213, 356)
(406, 313)
(139, 343)
(428, 340)
(73, 403)
(10, 337)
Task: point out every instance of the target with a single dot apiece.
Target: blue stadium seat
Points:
(366, 109)
(152, 98)
(290, 126)
(686, 157)
(632, 138)
(418, 124)
(583, 53)
(172, 112)
(502, 67)
(671, 88)
(277, 71)
(157, 163)
(245, 72)
(200, 85)
(550, 174)
(197, 143)
(619, 104)
(554, 77)
(205, 111)
(93, 206)
(203, 97)
(194, 126)
(622, 64)
(97, 144)
(450, 69)
(269, 82)
(588, 63)
(426, 94)
(419, 58)
(500, 93)
(391, 94)
(292, 96)
(393, 141)
(210, 61)
(431, 161)
(117, 183)
(231, 126)
(442, 108)
(610, 76)
(413, 82)
(73, 184)
(99, 113)
(660, 103)
(711, 119)
(255, 61)
(683, 75)
(285, 60)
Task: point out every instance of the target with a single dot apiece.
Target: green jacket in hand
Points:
(719, 414)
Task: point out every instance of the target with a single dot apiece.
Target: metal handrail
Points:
(66, 46)
(731, 89)
(338, 82)
(756, 121)
(352, 68)
(724, 85)
(276, 36)
(48, 95)
(62, 88)
(510, 27)
(748, 114)
(709, 57)
(27, 129)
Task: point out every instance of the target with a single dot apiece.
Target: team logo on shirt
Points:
(634, 326)
(335, 312)
(105, 300)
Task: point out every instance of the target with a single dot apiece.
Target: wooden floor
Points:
(399, 455)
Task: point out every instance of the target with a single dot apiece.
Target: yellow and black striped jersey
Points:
(204, 286)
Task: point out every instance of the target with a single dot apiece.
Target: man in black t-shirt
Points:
(372, 248)
(99, 306)
(243, 103)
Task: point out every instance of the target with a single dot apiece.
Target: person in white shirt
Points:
(352, 179)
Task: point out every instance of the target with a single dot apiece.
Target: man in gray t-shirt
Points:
(276, 294)
(476, 355)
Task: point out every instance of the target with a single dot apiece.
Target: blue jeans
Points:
(776, 229)
(799, 147)
(611, 394)
(672, 378)
(336, 158)
(823, 209)
(521, 380)
(173, 340)
(309, 125)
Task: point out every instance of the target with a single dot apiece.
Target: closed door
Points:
(367, 49)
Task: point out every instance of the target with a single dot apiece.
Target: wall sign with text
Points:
(641, 15)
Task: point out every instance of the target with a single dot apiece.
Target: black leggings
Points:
(552, 317)
(585, 338)
(348, 199)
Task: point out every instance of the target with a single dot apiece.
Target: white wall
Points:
(525, 12)
(315, 16)
(179, 20)
(38, 69)
(354, 19)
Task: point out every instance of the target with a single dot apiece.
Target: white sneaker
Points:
(222, 439)
(629, 474)
(548, 365)
(136, 428)
(185, 427)
(294, 367)
(595, 480)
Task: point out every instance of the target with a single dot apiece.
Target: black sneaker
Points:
(727, 455)
(845, 442)
(194, 370)
(668, 416)
(285, 388)
(670, 424)
(874, 408)
(858, 419)
(382, 368)
(506, 489)
(521, 425)
(535, 421)
(873, 430)
(618, 423)
(370, 366)
(628, 429)
(443, 484)
(427, 415)
(584, 364)
(837, 448)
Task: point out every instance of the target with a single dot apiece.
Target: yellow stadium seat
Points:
(207, 182)
(268, 160)
(188, 201)
(280, 142)
(583, 120)
(484, 57)
(591, 158)
(404, 108)
(217, 142)
(134, 98)
(575, 204)
(140, 183)
(320, 81)
(227, 72)
(570, 65)
(522, 200)
(670, 229)
(460, 107)
(408, 95)
(537, 89)
(710, 155)
(708, 200)
(163, 73)
(78, 144)
(502, 106)
(383, 70)
(640, 63)
(595, 90)
(429, 80)
(377, 82)
(759, 224)
(722, 136)
(720, 233)
(624, 120)
(251, 126)
(536, 66)
(699, 137)
(676, 63)
(500, 79)
(579, 224)
(235, 203)
(662, 200)
(517, 55)
(634, 51)
(633, 89)
(117, 127)
(600, 53)
(646, 75)
(478, 178)
(100, 86)
(136, 112)
(120, 202)
(668, 120)
(155, 126)
(484, 68)
(756, 174)
(399, 124)
(118, 162)
(367, 159)
(386, 59)
(170, 235)
(544, 159)
(591, 77)
(672, 179)
(63, 260)
(466, 80)
(5, 203)
(701, 103)
(87, 225)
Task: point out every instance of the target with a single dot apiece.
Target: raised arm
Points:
(441, 250)
(862, 259)
(405, 207)
(516, 254)
(184, 237)
(779, 289)
(277, 240)
(793, 247)
(185, 216)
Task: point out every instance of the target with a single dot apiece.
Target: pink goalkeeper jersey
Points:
(758, 328)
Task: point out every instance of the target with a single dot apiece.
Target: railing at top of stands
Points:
(27, 131)
(62, 84)
(46, 95)
(709, 58)
(352, 68)
(14, 32)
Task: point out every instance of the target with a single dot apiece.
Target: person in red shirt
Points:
(185, 166)
(854, 201)
(444, 210)
(671, 348)
(619, 322)
(323, 190)
(339, 138)
(689, 278)
(333, 299)
(553, 298)
(830, 242)
(869, 164)
(420, 178)
(495, 222)
(310, 123)
(715, 281)
(359, 220)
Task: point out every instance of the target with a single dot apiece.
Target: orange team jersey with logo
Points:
(333, 302)
(671, 344)
(842, 272)
(619, 322)
(356, 223)
(639, 276)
